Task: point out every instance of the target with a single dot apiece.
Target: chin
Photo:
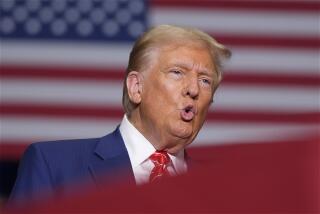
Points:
(183, 131)
(179, 140)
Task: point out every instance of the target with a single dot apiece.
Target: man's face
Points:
(177, 92)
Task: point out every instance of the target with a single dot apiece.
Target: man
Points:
(171, 78)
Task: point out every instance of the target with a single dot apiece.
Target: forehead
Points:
(186, 55)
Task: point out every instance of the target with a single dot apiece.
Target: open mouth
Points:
(188, 113)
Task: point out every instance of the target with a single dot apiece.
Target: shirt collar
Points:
(140, 149)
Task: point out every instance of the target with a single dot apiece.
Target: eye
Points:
(205, 81)
(176, 72)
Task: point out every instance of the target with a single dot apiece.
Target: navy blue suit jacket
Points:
(48, 166)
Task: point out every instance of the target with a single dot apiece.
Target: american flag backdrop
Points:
(63, 63)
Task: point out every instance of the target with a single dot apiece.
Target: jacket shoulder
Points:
(65, 146)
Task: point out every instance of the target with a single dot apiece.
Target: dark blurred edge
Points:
(272, 177)
(8, 173)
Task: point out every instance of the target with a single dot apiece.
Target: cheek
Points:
(160, 97)
(204, 107)
(173, 90)
(168, 92)
(202, 115)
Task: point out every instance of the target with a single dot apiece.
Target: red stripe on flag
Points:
(110, 74)
(268, 41)
(268, 79)
(106, 112)
(12, 149)
(302, 6)
(97, 112)
(264, 117)
(271, 41)
(62, 73)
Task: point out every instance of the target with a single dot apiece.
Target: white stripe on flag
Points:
(44, 129)
(64, 54)
(288, 61)
(60, 54)
(279, 23)
(74, 93)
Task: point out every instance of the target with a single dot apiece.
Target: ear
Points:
(134, 85)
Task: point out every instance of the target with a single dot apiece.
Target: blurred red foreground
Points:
(270, 177)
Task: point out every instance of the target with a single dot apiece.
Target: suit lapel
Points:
(110, 162)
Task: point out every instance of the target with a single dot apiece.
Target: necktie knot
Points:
(161, 161)
(160, 158)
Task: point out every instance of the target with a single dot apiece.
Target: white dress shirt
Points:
(140, 149)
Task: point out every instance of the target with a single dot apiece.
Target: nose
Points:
(192, 88)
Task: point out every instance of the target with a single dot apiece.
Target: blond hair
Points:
(139, 59)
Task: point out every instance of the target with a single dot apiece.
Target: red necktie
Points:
(161, 161)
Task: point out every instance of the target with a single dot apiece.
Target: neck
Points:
(159, 138)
